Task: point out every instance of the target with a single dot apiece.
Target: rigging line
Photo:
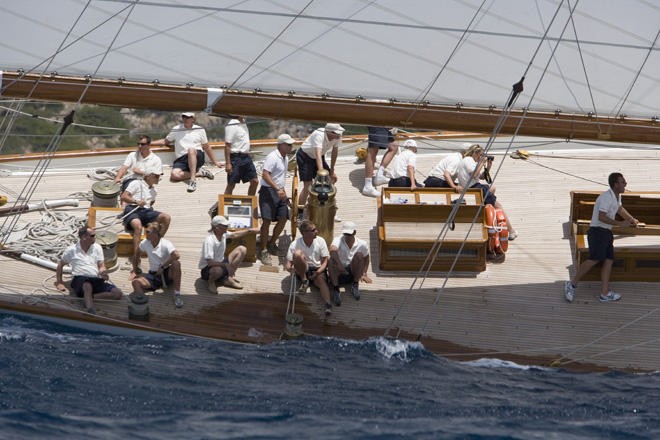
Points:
(270, 44)
(564, 172)
(584, 67)
(639, 71)
(458, 44)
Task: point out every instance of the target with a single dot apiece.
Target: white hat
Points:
(188, 114)
(219, 220)
(410, 143)
(285, 139)
(153, 170)
(349, 228)
(334, 128)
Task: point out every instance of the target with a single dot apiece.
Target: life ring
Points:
(498, 233)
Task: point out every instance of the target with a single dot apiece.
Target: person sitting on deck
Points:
(214, 265)
(349, 262)
(307, 258)
(139, 197)
(90, 277)
(137, 162)
(164, 264)
(445, 173)
(273, 201)
(472, 165)
(403, 167)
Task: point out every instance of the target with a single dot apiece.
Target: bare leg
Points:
(229, 189)
(136, 226)
(605, 273)
(164, 222)
(277, 231)
(584, 268)
(304, 192)
(252, 189)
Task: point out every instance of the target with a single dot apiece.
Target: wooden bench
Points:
(636, 250)
(409, 223)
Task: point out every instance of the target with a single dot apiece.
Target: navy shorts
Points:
(346, 277)
(204, 273)
(271, 206)
(182, 161)
(146, 216)
(155, 280)
(99, 285)
(310, 272)
(489, 199)
(379, 137)
(436, 182)
(601, 244)
(401, 182)
(242, 168)
(307, 166)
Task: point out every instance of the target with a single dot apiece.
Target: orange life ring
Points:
(498, 233)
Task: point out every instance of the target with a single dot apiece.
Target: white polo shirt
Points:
(141, 191)
(237, 134)
(213, 249)
(157, 255)
(277, 166)
(401, 162)
(185, 139)
(608, 203)
(449, 163)
(319, 140)
(83, 263)
(135, 160)
(345, 253)
(313, 254)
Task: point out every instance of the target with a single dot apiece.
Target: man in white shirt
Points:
(403, 167)
(601, 240)
(190, 143)
(137, 162)
(238, 163)
(349, 262)
(90, 277)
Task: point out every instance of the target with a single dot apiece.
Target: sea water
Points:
(61, 383)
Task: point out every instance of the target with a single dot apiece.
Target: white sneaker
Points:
(178, 302)
(380, 180)
(371, 192)
(192, 186)
(611, 296)
(569, 291)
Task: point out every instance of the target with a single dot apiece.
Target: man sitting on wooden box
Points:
(139, 197)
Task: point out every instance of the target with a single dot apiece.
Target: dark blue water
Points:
(60, 383)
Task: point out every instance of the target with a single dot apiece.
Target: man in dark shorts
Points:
(139, 197)
(601, 241)
(379, 138)
(90, 277)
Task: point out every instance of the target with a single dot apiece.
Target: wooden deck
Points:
(514, 310)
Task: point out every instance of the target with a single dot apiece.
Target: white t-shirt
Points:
(313, 254)
(83, 263)
(318, 140)
(277, 166)
(449, 163)
(345, 253)
(135, 160)
(465, 170)
(185, 139)
(608, 203)
(157, 255)
(141, 191)
(237, 134)
(213, 249)
(401, 162)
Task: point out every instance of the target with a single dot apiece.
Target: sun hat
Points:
(285, 139)
(153, 170)
(334, 128)
(349, 228)
(410, 143)
(188, 114)
(219, 220)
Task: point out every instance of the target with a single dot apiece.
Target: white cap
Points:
(334, 128)
(219, 220)
(188, 114)
(349, 228)
(285, 139)
(410, 143)
(153, 170)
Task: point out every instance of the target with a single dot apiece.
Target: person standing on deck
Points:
(139, 198)
(164, 264)
(601, 240)
(379, 138)
(472, 165)
(214, 265)
(273, 201)
(310, 157)
(238, 163)
(403, 167)
(307, 258)
(349, 262)
(190, 143)
(136, 163)
(90, 277)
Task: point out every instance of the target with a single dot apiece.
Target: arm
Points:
(281, 192)
(174, 256)
(103, 272)
(333, 161)
(128, 198)
(628, 219)
(244, 232)
(364, 276)
(161, 143)
(59, 284)
(411, 176)
(209, 152)
(120, 173)
(450, 181)
(321, 269)
(228, 166)
(318, 156)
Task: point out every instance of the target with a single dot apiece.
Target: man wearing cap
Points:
(190, 143)
(136, 162)
(349, 262)
(311, 156)
(273, 200)
(139, 198)
(379, 138)
(214, 265)
(403, 167)
(238, 163)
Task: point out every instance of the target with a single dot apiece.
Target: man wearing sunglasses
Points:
(136, 162)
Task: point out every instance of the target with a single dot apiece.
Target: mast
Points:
(257, 103)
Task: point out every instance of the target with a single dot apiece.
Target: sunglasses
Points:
(142, 144)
